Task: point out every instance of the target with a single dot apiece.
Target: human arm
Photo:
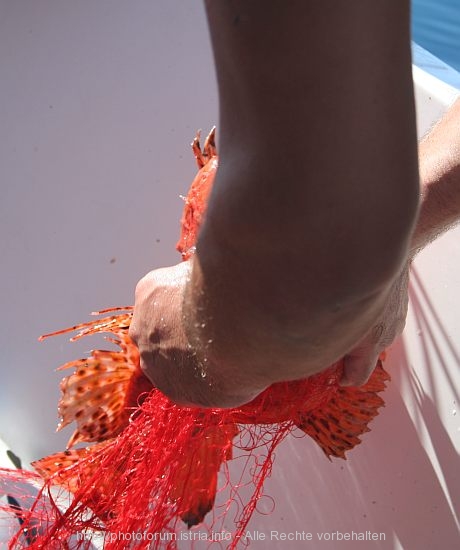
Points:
(439, 154)
(293, 274)
(439, 158)
(293, 262)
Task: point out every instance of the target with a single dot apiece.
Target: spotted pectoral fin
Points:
(93, 396)
(195, 481)
(337, 427)
(104, 388)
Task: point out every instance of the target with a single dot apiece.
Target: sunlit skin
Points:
(310, 218)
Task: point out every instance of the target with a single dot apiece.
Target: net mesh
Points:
(151, 476)
(156, 477)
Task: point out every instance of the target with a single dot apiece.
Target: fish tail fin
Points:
(194, 484)
(337, 427)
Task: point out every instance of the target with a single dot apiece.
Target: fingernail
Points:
(345, 382)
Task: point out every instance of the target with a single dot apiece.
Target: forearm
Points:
(309, 151)
(440, 180)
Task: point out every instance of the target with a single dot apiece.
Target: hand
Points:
(175, 367)
(165, 354)
(360, 362)
(181, 371)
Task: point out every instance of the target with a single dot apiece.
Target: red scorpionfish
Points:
(153, 466)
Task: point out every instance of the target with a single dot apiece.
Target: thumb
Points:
(358, 366)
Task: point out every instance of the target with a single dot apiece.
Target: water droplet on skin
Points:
(210, 341)
(454, 412)
(203, 325)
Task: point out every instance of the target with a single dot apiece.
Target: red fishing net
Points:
(151, 475)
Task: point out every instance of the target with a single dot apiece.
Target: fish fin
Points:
(59, 467)
(196, 148)
(197, 197)
(103, 390)
(114, 323)
(337, 426)
(210, 149)
(194, 483)
(202, 155)
(78, 471)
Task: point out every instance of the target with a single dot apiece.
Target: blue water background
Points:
(436, 27)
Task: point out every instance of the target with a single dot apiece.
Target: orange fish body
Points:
(103, 395)
(197, 197)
